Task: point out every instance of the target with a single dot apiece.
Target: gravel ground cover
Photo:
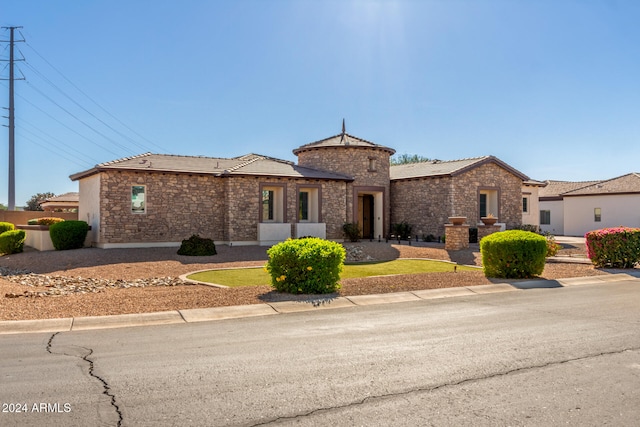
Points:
(94, 282)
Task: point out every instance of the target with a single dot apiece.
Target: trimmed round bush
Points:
(197, 246)
(12, 241)
(513, 254)
(6, 226)
(617, 247)
(68, 234)
(306, 266)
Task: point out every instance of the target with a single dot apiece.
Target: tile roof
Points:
(446, 168)
(66, 197)
(249, 164)
(629, 183)
(557, 188)
(342, 140)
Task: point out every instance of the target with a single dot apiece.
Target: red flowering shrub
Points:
(617, 247)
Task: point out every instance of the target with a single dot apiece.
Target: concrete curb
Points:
(283, 307)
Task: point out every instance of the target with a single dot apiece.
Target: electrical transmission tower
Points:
(11, 117)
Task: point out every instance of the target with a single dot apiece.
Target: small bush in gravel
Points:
(68, 234)
(513, 254)
(617, 247)
(12, 241)
(197, 246)
(306, 266)
(351, 231)
(6, 226)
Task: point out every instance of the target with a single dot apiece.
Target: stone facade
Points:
(350, 182)
(427, 202)
(369, 166)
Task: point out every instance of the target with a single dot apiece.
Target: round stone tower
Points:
(367, 198)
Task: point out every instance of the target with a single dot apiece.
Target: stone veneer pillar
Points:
(456, 237)
(485, 230)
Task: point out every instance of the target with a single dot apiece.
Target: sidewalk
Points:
(283, 307)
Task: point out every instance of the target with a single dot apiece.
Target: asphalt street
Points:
(543, 356)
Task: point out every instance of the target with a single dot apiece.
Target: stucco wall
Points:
(556, 211)
(89, 206)
(533, 216)
(617, 210)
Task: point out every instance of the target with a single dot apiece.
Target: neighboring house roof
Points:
(625, 184)
(437, 168)
(63, 201)
(342, 140)
(554, 190)
(249, 164)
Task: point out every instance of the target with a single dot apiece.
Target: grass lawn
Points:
(257, 276)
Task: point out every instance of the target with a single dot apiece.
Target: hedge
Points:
(617, 247)
(12, 241)
(68, 234)
(306, 266)
(513, 254)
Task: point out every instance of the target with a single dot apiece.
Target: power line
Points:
(95, 102)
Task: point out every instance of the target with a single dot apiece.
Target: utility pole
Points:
(12, 160)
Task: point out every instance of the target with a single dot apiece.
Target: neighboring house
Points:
(67, 202)
(575, 208)
(159, 200)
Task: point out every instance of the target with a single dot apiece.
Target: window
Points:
(309, 203)
(137, 199)
(272, 203)
(597, 214)
(268, 197)
(303, 206)
(372, 164)
(483, 205)
(525, 204)
(488, 202)
(545, 217)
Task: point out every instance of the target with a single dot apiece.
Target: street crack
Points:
(106, 389)
(442, 386)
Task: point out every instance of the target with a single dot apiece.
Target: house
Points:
(575, 208)
(159, 200)
(67, 202)
(425, 194)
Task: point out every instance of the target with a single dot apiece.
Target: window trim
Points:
(317, 189)
(279, 191)
(597, 214)
(525, 204)
(143, 209)
(547, 213)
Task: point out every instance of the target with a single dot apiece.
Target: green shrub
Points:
(513, 254)
(552, 247)
(6, 226)
(33, 221)
(48, 220)
(402, 230)
(197, 246)
(306, 266)
(529, 227)
(68, 234)
(351, 231)
(617, 247)
(12, 241)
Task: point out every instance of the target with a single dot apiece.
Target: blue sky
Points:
(550, 87)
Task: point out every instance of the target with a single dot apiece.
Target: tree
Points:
(403, 159)
(34, 203)
(3, 207)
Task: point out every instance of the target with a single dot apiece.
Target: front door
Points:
(367, 216)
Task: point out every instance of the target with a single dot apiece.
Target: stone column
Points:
(485, 230)
(456, 237)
